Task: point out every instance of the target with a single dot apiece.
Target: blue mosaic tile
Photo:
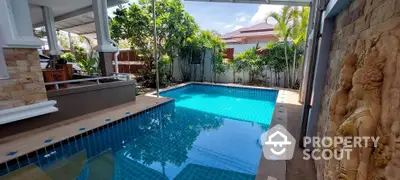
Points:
(127, 113)
(48, 140)
(81, 129)
(107, 120)
(12, 153)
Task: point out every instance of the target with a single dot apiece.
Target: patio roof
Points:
(279, 2)
(75, 16)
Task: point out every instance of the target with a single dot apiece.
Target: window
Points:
(3, 66)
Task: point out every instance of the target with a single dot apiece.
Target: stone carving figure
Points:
(339, 99)
(363, 122)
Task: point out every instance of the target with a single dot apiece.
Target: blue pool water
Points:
(244, 104)
(207, 132)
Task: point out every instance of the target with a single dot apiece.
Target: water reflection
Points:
(164, 143)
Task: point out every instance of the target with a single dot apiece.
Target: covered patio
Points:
(27, 90)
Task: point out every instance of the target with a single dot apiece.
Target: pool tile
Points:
(81, 129)
(12, 153)
(48, 140)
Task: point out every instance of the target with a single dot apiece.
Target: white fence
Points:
(227, 77)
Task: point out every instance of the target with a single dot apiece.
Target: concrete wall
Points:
(74, 102)
(26, 84)
(227, 77)
(356, 28)
(260, 40)
(238, 48)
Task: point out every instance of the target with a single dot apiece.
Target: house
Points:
(244, 38)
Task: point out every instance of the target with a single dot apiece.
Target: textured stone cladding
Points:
(363, 24)
(26, 85)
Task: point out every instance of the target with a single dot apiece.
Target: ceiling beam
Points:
(86, 33)
(110, 3)
(75, 26)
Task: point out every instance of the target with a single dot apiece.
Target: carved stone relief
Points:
(355, 111)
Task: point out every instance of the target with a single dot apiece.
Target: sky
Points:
(225, 17)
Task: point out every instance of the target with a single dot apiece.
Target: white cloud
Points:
(242, 17)
(237, 27)
(228, 26)
(262, 12)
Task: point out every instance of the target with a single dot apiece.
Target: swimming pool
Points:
(207, 132)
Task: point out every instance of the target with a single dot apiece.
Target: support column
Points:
(26, 94)
(16, 25)
(104, 47)
(50, 26)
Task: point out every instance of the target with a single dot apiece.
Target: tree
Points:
(283, 30)
(252, 61)
(134, 24)
(274, 58)
(299, 34)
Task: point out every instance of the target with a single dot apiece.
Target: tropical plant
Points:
(283, 30)
(90, 66)
(68, 57)
(218, 46)
(252, 61)
(274, 59)
(80, 53)
(299, 34)
(135, 24)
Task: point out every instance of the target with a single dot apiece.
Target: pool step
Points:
(102, 167)
(228, 162)
(28, 172)
(67, 168)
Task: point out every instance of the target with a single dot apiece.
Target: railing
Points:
(126, 76)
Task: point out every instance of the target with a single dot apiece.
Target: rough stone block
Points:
(386, 26)
(18, 94)
(11, 63)
(362, 24)
(6, 105)
(34, 59)
(383, 12)
(39, 96)
(18, 103)
(349, 29)
(23, 63)
(5, 96)
(8, 50)
(372, 4)
(397, 7)
(33, 85)
(36, 90)
(357, 4)
(32, 75)
(25, 80)
(341, 19)
(23, 69)
(35, 69)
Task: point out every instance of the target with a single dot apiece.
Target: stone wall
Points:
(26, 85)
(362, 25)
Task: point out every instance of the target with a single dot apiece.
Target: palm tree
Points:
(298, 33)
(283, 30)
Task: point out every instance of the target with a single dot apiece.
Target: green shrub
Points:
(68, 57)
